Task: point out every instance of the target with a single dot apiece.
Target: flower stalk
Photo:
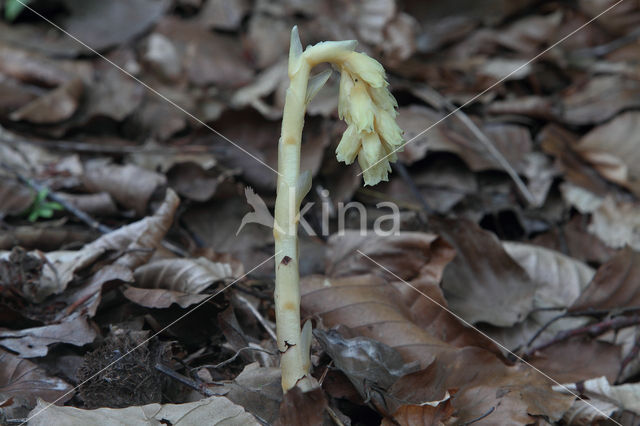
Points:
(372, 136)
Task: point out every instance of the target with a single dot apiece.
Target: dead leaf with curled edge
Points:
(24, 382)
(373, 308)
(215, 410)
(139, 239)
(605, 397)
(612, 150)
(164, 282)
(34, 342)
(615, 284)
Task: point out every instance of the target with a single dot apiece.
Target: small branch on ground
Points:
(84, 217)
(592, 330)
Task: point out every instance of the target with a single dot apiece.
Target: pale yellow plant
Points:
(372, 136)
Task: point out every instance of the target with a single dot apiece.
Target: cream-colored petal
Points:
(387, 128)
(372, 147)
(365, 67)
(374, 173)
(346, 84)
(384, 99)
(360, 108)
(349, 146)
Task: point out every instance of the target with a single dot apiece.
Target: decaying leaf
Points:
(299, 408)
(612, 149)
(483, 276)
(603, 400)
(33, 342)
(559, 282)
(614, 284)
(600, 99)
(163, 282)
(257, 389)
(15, 197)
(404, 254)
(369, 364)
(139, 239)
(372, 308)
(130, 185)
(25, 382)
(617, 223)
(426, 414)
(215, 410)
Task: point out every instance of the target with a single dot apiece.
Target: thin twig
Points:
(588, 313)
(199, 387)
(477, 419)
(482, 137)
(233, 358)
(592, 330)
(605, 49)
(84, 217)
(258, 316)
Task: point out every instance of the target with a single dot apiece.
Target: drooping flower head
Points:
(369, 109)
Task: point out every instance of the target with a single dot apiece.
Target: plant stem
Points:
(287, 292)
(363, 96)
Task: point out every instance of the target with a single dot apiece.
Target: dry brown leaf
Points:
(616, 223)
(139, 239)
(106, 24)
(416, 257)
(223, 14)
(621, 19)
(257, 389)
(559, 281)
(85, 300)
(215, 410)
(511, 140)
(192, 181)
(404, 254)
(532, 106)
(580, 244)
(217, 223)
(100, 204)
(561, 143)
(34, 342)
(15, 197)
(600, 99)
(371, 366)
(130, 185)
(163, 282)
(207, 57)
(302, 408)
(612, 149)
(436, 413)
(483, 276)
(530, 34)
(45, 238)
(606, 398)
(371, 307)
(53, 107)
(38, 276)
(24, 381)
(615, 284)
(579, 359)
(443, 184)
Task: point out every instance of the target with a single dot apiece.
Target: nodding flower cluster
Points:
(369, 110)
